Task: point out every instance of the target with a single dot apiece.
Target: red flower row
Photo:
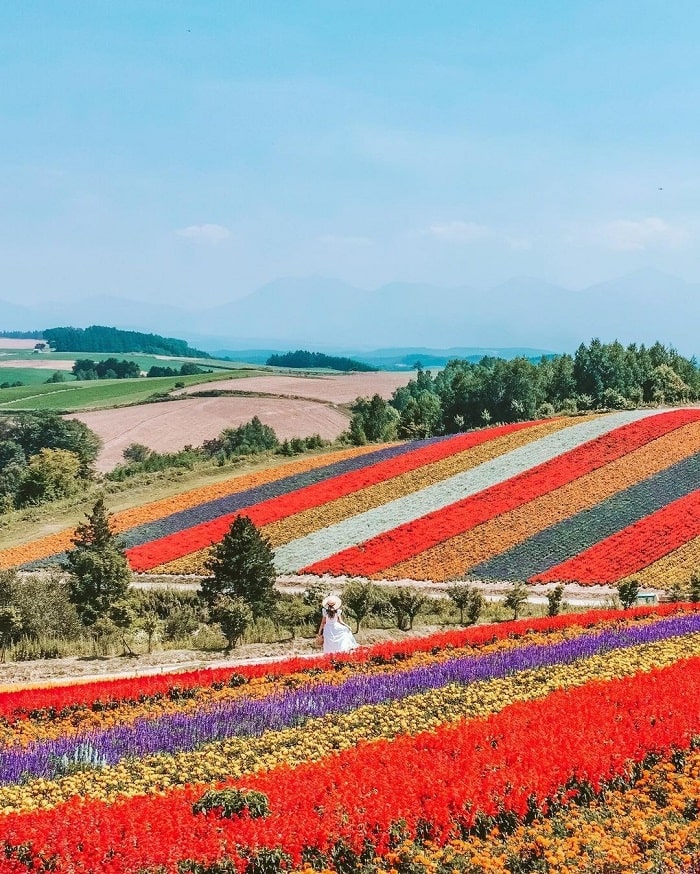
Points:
(507, 761)
(18, 704)
(634, 547)
(149, 555)
(414, 537)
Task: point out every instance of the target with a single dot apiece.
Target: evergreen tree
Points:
(98, 569)
(242, 565)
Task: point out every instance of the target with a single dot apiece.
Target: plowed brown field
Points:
(334, 389)
(171, 425)
(37, 363)
(7, 343)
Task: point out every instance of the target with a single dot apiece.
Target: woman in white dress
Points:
(336, 635)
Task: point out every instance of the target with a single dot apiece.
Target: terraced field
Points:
(591, 500)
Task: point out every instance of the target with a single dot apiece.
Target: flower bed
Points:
(394, 758)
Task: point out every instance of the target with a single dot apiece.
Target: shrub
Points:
(233, 802)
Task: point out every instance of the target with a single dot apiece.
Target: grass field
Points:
(27, 375)
(98, 394)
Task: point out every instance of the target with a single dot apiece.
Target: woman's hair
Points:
(331, 611)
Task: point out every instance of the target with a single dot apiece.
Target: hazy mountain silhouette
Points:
(317, 312)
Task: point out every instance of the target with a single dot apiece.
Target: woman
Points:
(335, 634)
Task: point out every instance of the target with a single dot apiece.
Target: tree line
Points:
(99, 338)
(113, 368)
(470, 395)
(302, 358)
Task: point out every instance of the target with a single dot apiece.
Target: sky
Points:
(181, 151)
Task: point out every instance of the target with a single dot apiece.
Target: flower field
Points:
(428, 755)
(593, 500)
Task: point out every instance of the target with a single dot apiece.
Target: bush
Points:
(233, 802)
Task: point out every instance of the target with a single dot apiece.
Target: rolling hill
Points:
(590, 500)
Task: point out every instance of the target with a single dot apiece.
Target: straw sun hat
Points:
(331, 601)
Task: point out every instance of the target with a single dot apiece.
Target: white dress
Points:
(337, 637)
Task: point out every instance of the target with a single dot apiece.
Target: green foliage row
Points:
(108, 368)
(302, 358)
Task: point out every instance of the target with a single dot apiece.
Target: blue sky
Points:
(189, 150)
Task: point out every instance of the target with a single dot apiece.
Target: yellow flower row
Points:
(122, 521)
(676, 568)
(306, 522)
(448, 560)
(232, 758)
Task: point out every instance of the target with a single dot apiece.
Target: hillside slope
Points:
(590, 500)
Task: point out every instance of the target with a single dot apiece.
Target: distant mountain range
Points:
(327, 314)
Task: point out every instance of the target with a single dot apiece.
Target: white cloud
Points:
(205, 233)
(460, 232)
(625, 235)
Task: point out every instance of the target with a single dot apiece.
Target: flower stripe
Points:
(182, 731)
(507, 762)
(264, 508)
(122, 521)
(676, 568)
(364, 544)
(564, 540)
(425, 711)
(503, 530)
(635, 546)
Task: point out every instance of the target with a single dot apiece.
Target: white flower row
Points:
(327, 541)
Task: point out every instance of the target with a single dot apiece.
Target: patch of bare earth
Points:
(7, 343)
(172, 425)
(337, 389)
(37, 363)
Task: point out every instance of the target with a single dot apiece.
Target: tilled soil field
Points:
(337, 389)
(171, 425)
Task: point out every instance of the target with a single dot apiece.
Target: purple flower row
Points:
(175, 732)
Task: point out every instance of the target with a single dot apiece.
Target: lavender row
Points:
(177, 732)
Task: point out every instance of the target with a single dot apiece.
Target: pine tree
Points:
(98, 569)
(242, 564)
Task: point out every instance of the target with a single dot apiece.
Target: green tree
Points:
(554, 597)
(122, 615)
(152, 626)
(49, 475)
(627, 591)
(460, 595)
(406, 604)
(10, 628)
(475, 606)
(516, 598)
(373, 421)
(359, 598)
(242, 564)
(291, 613)
(233, 615)
(99, 574)
(136, 452)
